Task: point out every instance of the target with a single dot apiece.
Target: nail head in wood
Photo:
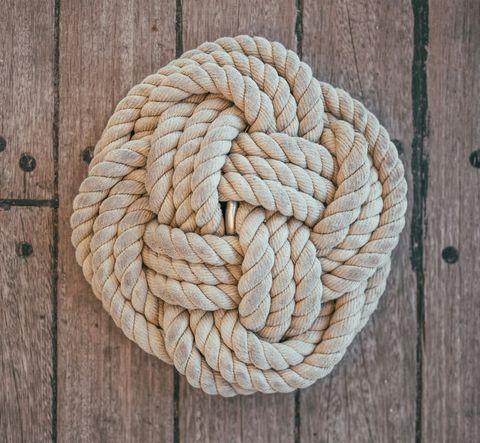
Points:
(475, 158)
(450, 255)
(27, 163)
(87, 154)
(24, 249)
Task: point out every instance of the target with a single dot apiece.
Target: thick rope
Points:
(322, 199)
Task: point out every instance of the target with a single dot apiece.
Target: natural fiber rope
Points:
(322, 197)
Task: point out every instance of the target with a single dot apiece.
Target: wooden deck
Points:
(68, 374)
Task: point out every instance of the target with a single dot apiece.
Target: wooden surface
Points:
(130, 393)
(26, 313)
(451, 346)
(26, 99)
(369, 397)
(68, 374)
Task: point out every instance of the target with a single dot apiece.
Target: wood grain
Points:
(26, 98)
(451, 376)
(257, 418)
(274, 20)
(109, 389)
(366, 49)
(26, 392)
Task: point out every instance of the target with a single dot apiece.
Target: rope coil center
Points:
(230, 212)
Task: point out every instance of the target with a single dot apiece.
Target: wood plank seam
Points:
(176, 376)
(55, 218)
(7, 203)
(419, 167)
(299, 27)
(299, 37)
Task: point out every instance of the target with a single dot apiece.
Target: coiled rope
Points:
(272, 304)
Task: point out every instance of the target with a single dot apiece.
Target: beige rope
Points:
(272, 304)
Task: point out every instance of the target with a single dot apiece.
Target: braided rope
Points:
(322, 200)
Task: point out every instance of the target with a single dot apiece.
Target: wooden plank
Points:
(258, 418)
(26, 391)
(26, 95)
(274, 20)
(109, 388)
(451, 377)
(366, 49)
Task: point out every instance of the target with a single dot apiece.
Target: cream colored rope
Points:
(322, 199)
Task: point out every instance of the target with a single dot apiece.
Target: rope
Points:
(272, 303)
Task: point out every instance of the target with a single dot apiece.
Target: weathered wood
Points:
(451, 375)
(366, 49)
(26, 98)
(258, 418)
(110, 390)
(26, 391)
(274, 20)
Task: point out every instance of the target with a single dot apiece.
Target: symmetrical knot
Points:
(321, 197)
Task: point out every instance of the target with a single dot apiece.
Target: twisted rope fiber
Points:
(322, 199)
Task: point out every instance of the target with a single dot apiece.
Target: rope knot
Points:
(266, 294)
